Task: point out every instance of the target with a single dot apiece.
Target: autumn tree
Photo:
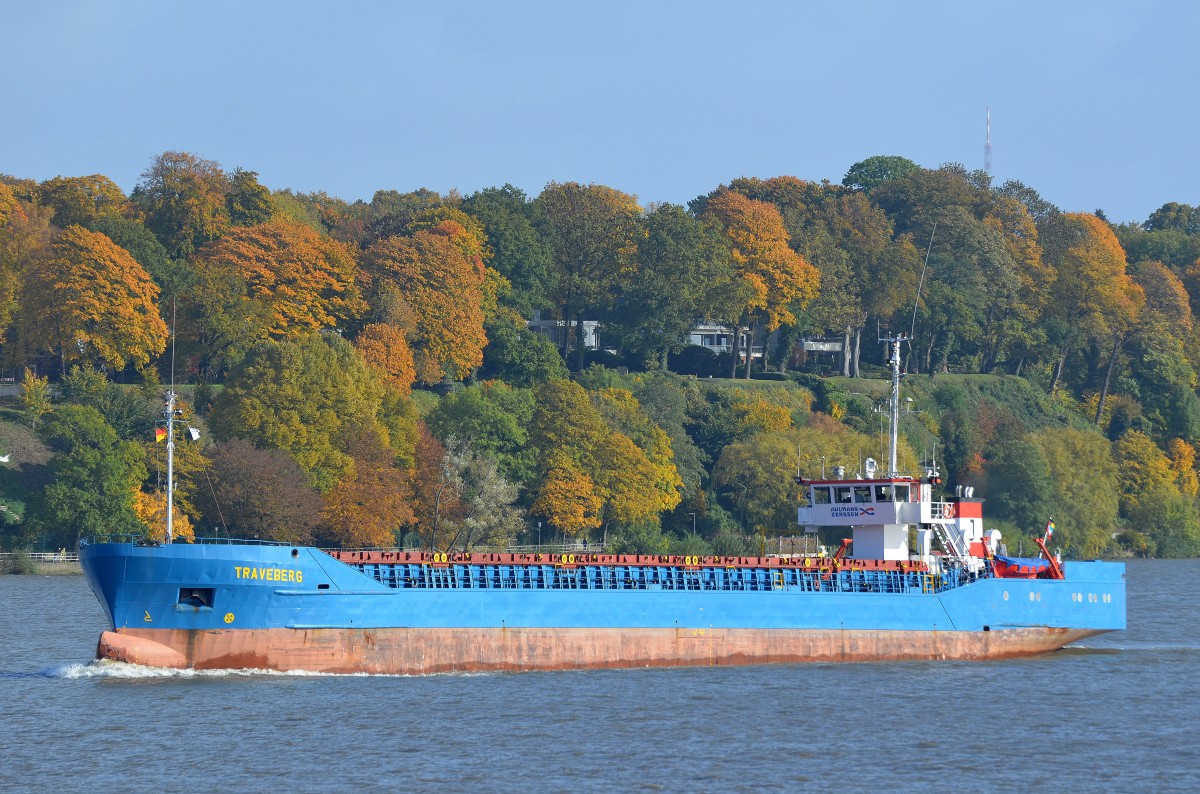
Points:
(1092, 295)
(278, 280)
(593, 232)
(567, 497)
(1151, 500)
(89, 300)
(866, 270)
(259, 493)
(367, 508)
(776, 278)
(758, 476)
(633, 481)
(182, 198)
(25, 235)
(430, 272)
(384, 347)
(151, 510)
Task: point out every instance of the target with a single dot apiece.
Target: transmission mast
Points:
(987, 147)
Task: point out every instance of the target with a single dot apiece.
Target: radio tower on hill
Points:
(987, 147)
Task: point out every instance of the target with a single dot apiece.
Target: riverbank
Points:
(40, 564)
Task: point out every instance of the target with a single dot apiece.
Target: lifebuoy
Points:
(947, 510)
(807, 562)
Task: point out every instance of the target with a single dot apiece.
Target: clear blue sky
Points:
(1094, 104)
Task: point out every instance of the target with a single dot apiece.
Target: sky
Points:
(1094, 104)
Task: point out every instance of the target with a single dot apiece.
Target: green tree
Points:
(874, 171)
(126, 410)
(247, 201)
(1085, 487)
(518, 355)
(593, 232)
(83, 200)
(95, 477)
(519, 251)
(302, 397)
(1019, 487)
(493, 418)
(684, 270)
(182, 198)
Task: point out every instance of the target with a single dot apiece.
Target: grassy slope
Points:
(27, 469)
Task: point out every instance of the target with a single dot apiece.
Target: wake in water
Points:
(106, 668)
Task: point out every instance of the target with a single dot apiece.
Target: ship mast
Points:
(895, 342)
(170, 412)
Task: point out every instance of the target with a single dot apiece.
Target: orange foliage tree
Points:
(775, 278)
(633, 481)
(367, 507)
(89, 300)
(151, 509)
(567, 497)
(444, 289)
(385, 348)
(278, 280)
(1092, 293)
(25, 231)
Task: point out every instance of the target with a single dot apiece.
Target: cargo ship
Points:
(957, 595)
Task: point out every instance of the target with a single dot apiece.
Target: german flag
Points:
(160, 434)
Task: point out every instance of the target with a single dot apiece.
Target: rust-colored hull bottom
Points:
(418, 651)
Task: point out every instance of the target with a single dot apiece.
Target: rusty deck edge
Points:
(400, 651)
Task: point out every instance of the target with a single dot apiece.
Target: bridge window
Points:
(820, 496)
(841, 494)
(883, 493)
(901, 493)
(862, 494)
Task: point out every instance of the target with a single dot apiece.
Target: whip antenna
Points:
(921, 281)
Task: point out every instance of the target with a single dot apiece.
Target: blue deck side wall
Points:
(139, 586)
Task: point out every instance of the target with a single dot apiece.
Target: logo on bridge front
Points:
(852, 512)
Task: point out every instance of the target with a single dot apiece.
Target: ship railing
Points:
(144, 541)
(475, 576)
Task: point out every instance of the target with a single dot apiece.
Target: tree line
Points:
(369, 378)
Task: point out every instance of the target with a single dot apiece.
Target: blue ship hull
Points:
(281, 607)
